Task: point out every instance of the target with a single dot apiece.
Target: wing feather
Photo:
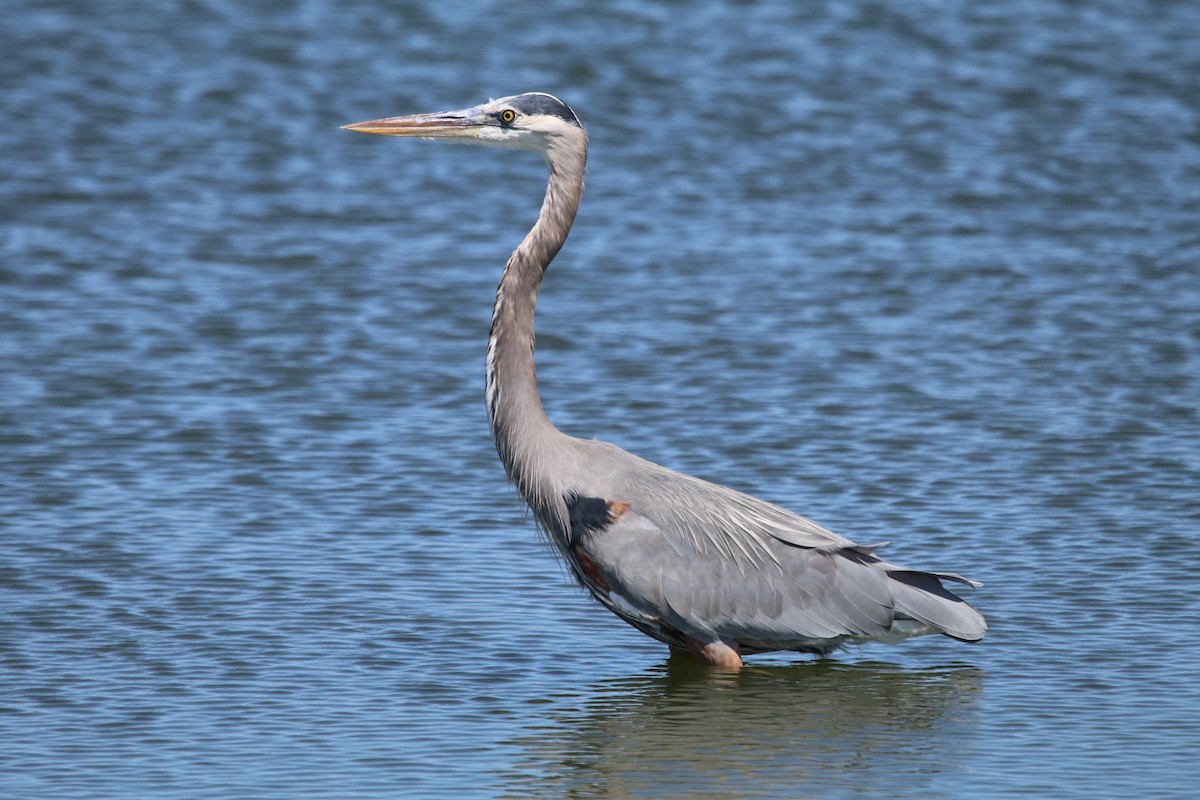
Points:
(713, 563)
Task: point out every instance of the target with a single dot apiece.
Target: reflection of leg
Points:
(714, 654)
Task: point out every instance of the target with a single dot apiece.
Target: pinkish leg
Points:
(714, 654)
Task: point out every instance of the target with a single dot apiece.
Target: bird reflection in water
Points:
(807, 729)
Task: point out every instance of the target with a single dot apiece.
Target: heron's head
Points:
(533, 121)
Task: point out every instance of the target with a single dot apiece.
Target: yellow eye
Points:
(507, 115)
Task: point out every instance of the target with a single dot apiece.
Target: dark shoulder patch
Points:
(541, 103)
(587, 513)
(592, 513)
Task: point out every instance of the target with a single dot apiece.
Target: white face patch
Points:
(512, 137)
(500, 135)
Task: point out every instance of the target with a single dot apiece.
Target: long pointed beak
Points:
(442, 125)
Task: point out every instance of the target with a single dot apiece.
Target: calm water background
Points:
(926, 272)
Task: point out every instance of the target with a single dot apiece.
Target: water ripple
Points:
(923, 272)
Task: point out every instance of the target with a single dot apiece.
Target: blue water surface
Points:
(926, 272)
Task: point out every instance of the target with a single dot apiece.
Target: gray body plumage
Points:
(680, 558)
(686, 561)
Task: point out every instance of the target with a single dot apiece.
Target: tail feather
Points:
(921, 596)
(954, 576)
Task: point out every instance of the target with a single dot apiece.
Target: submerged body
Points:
(705, 569)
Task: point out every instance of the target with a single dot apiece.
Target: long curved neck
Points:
(524, 436)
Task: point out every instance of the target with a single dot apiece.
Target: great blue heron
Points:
(705, 569)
